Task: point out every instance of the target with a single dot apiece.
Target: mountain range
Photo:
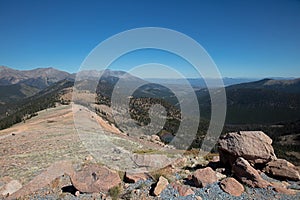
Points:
(254, 102)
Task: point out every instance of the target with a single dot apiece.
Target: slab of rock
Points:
(247, 174)
(160, 186)
(282, 169)
(183, 190)
(283, 190)
(151, 160)
(203, 177)
(57, 169)
(254, 146)
(94, 179)
(232, 187)
(10, 188)
(135, 177)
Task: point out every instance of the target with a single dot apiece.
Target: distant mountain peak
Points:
(39, 77)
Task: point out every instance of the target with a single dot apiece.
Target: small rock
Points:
(135, 177)
(116, 151)
(247, 174)
(203, 177)
(232, 187)
(215, 159)
(220, 176)
(160, 186)
(282, 169)
(115, 158)
(155, 138)
(198, 198)
(89, 158)
(183, 190)
(220, 170)
(77, 193)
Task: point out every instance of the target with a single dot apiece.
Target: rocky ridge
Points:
(189, 177)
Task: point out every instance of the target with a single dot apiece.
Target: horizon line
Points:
(170, 78)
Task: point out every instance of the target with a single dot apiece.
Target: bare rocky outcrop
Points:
(232, 186)
(254, 146)
(203, 177)
(247, 174)
(94, 179)
(282, 169)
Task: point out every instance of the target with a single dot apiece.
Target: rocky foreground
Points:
(246, 168)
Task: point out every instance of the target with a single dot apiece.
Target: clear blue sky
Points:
(255, 38)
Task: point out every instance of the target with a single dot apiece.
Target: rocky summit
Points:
(189, 177)
(55, 165)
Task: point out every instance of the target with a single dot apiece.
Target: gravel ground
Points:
(214, 192)
(140, 190)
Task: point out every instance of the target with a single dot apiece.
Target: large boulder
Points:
(247, 174)
(232, 186)
(254, 146)
(203, 177)
(94, 179)
(282, 169)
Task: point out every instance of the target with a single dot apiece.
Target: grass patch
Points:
(165, 172)
(209, 156)
(145, 151)
(121, 175)
(115, 192)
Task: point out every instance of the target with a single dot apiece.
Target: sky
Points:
(254, 38)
